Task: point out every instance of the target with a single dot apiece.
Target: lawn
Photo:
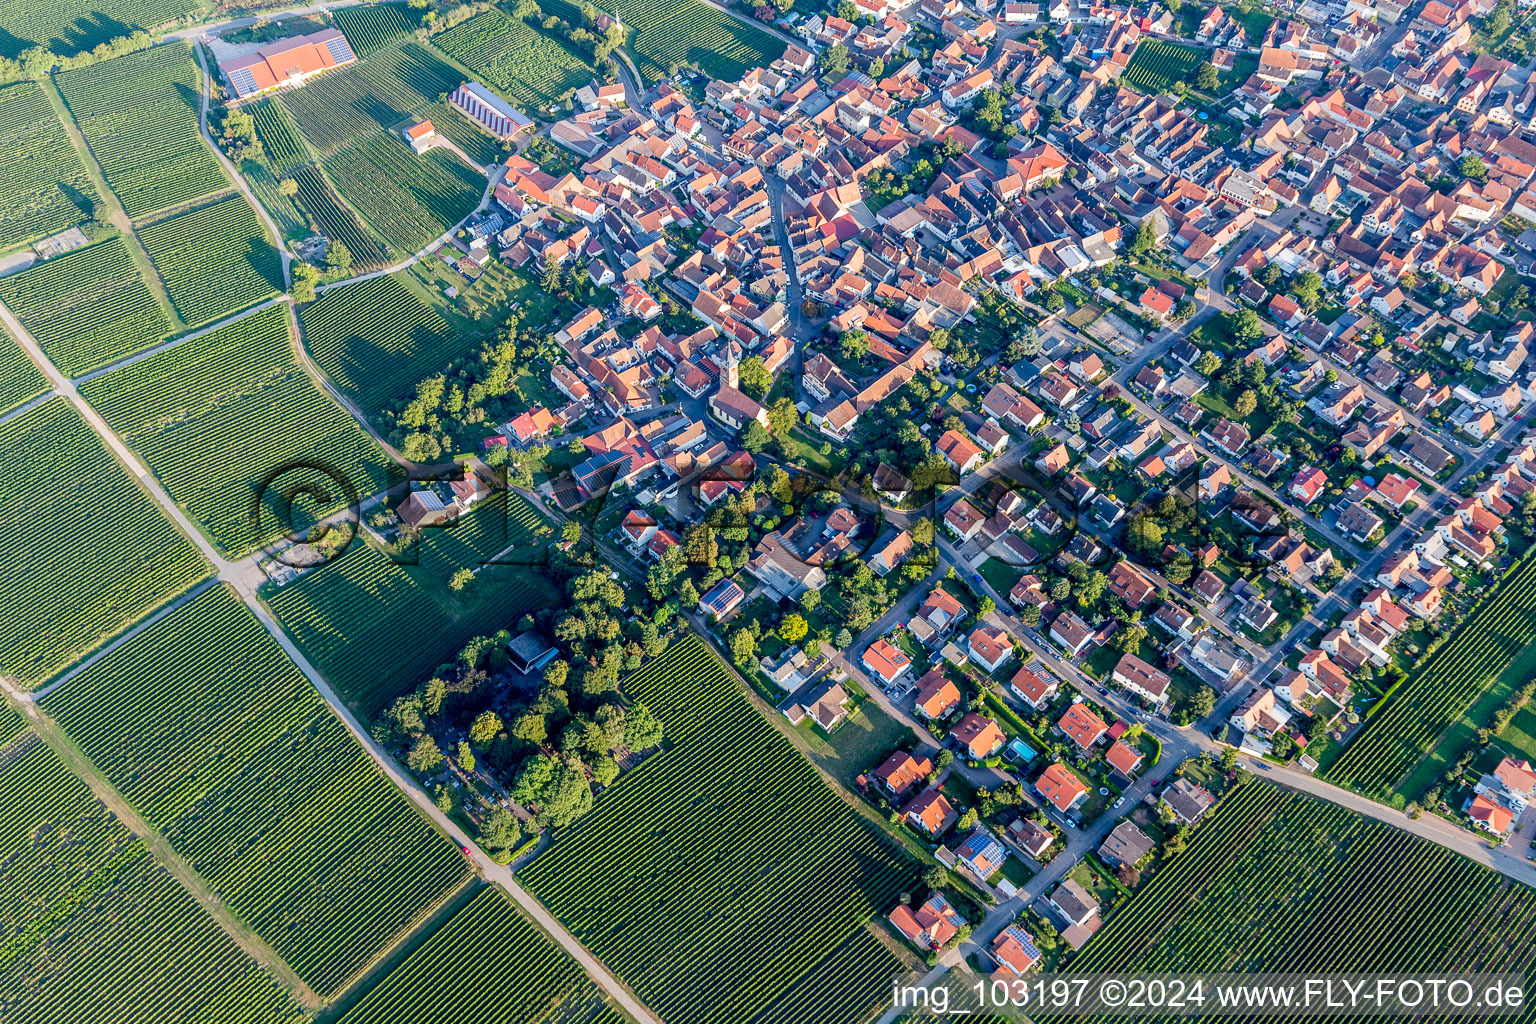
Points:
(854, 747)
(805, 450)
(999, 575)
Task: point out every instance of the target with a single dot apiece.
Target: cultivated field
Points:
(87, 307)
(376, 628)
(519, 60)
(139, 114)
(668, 32)
(1418, 716)
(68, 27)
(319, 201)
(214, 416)
(43, 187)
(377, 93)
(20, 381)
(730, 845)
(93, 930)
(87, 552)
(370, 27)
(215, 260)
(1156, 65)
(408, 199)
(1278, 881)
(217, 740)
(444, 982)
(280, 142)
(376, 339)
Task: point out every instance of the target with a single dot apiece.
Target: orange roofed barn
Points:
(287, 62)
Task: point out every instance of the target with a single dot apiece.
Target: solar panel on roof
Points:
(243, 81)
(341, 51)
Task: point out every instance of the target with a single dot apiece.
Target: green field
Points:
(1156, 65)
(409, 200)
(376, 626)
(319, 201)
(88, 553)
(68, 27)
(370, 27)
(220, 742)
(531, 68)
(363, 100)
(375, 340)
(43, 187)
(215, 260)
(87, 307)
(1420, 715)
(214, 416)
(139, 114)
(668, 32)
(1275, 880)
(20, 381)
(730, 845)
(444, 982)
(93, 930)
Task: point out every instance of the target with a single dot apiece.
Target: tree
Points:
(793, 628)
(1201, 703)
(755, 437)
(1208, 364)
(743, 648)
(338, 257)
(1246, 326)
(424, 756)
(484, 729)
(847, 10)
(288, 187)
(754, 377)
(466, 756)
(550, 277)
(1128, 638)
(876, 67)
(1061, 589)
(782, 417)
(1308, 289)
(936, 877)
(1185, 309)
(810, 601)
(1145, 239)
(1246, 403)
(461, 579)
(834, 59)
(305, 277)
(1229, 759)
(1030, 343)
(641, 729)
(500, 833)
(853, 344)
(844, 639)
(1206, 77)
(1472, 166)
(1053, 302)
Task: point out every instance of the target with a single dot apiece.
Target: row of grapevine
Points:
(334, 220)
(43, 186)
(377, 625)
(219, 741)
(445, 981)
(371, 27)
(214, 260)
(678, 32)
(409, 200)
(1156, 65)
(20, 380)
(729, 845)
(519, 60)
(139, 115)
(280, 143)
(93, 931)
(376, 339)
(87, 307)
(365, 99)
(69, 27)
(87, 552)
(1443, 687)
(246, 411)
(1283, 883)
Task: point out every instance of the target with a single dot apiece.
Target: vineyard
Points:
(443, 982)
(728, 845)
(87, 307)
(88, 553)
(668, 32)
(1156, 65)
(214, 416)
(68, 27)
(409, 200)
(335, 221)
(139, 114)
(367, 98)
(215, 260)
(376, 339)
(219, 741)
(1441, 689)
(375, 628)
(370, 27)
(43, 187)
(1277, 881)
(280, 143)
(93, 930)
(20, 381)
(533, 69)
